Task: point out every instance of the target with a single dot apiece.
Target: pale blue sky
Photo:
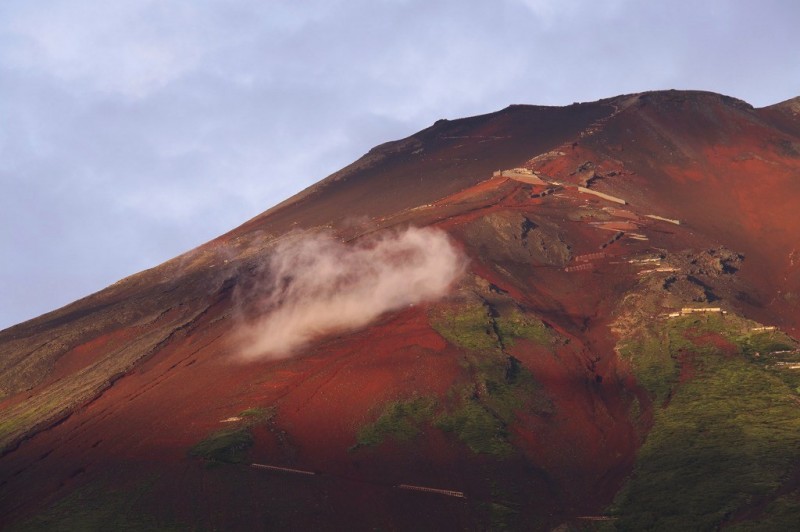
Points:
(132, 131)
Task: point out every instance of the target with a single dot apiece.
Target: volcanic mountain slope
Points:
(618, 352)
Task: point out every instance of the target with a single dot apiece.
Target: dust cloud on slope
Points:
(315, 284)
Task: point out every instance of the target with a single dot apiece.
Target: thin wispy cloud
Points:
(313, 285)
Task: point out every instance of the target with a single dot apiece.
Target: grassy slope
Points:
(477, 412)
(724, 438)
(230, 445)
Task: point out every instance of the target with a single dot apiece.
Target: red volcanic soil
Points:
(151, 418)
(686, 359)
(716, 341)
(727, 172)
(321, 399)
(436, 162)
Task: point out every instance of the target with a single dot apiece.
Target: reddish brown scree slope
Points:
(102, 400)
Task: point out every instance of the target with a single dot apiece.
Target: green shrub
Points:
(228, 446)
(764, 343)
(470, 326)
(521, 325)
(467, 325)
(656, 370)
(477, 428)
(477, 413)
(399, 420)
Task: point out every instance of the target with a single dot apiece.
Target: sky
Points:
(135, 130)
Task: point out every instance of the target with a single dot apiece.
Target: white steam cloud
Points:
(318, 285)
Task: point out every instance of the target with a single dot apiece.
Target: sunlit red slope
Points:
(104, 399)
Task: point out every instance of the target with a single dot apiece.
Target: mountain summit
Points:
(541, 317)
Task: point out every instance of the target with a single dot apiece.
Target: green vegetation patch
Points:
(478, 423)
(23, 417)
(656, 370)
(480, 412)
(721, 439)
(516, 324)
(764, 342)
(656, 349)
(468, 326)
(780, 514)
(400, 420)
(230, 445)
(477, 327)
(477, 428)
(504, 386)
(477, 413)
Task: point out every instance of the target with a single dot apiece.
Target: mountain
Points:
(540, 318)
